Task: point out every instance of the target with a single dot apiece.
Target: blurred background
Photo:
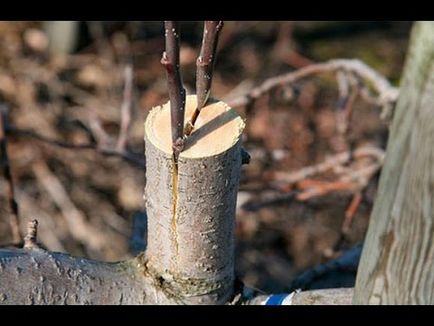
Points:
(64, 82)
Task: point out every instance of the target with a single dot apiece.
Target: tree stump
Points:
(191, 204)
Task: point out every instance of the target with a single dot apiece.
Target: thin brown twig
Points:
(353, 178)
(170, 61)
(348, 92)
(329, 163)
(387, 94)
(126, 109)
(205, 66)
(362, 175)
(351, 211)
(131, 157)
(14, 220)
(322, 188)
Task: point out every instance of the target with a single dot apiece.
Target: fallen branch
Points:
(316, 188)
(387, 94)
(131, 157)
(331, 163)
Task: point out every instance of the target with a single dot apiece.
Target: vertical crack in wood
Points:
(174, 204)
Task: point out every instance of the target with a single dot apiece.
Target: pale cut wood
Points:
(217, 129)
(191, 205)
(397, 263)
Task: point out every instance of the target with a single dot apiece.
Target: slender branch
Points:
(349, 88)
(387, 94)
(14, 221)
(350, 212)
(330, 163)
(316, 188)
(131, 157)
(205, 66)
(170, 61)
(126, 109)
(297, 185)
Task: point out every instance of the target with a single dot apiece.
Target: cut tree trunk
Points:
(397, 263)
(191, 205)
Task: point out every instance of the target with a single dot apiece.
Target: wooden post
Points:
(397, 263)
(191, 204)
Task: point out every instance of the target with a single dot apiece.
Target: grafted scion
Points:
(170, 61)
(205, 67)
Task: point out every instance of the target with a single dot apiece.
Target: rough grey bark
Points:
(397, 263)
(42, 277)
(39, 277)
(191, 218)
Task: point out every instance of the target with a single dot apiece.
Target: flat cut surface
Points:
(217, 128)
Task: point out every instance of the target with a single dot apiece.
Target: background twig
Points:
(387, 94)
(126, 109)
(131, 157)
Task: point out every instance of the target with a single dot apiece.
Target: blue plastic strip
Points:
(276, 299)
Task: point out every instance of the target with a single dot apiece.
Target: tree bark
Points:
(397, 263)
(39, 277)
(42, 277)
(191, 218)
